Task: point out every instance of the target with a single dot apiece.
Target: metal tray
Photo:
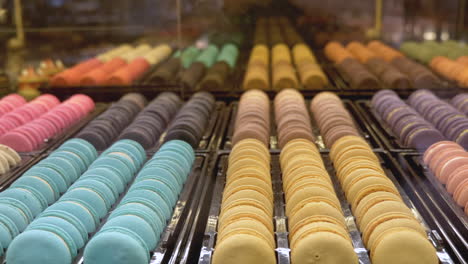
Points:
(438, 203)
(208, 219)
(364, 128)
(171, 240)
(380, 128)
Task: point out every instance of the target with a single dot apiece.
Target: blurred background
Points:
(75, 29)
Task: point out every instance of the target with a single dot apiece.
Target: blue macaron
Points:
(97, 186)
(19, 205)
(8, 230)
(169, 196)
(154, 198)
(116, 246)
(70, 218)
(75, 159)
(156, 221)
(55, 179)
(174, 182)
(15, 215)
(62, 223)
(88, 198)
(137, 225)
(42, 246)
(115, 165)
(108, 177)
(43, 191)
(81, 147)
(81, 212)
(25, 196)
(63, 166)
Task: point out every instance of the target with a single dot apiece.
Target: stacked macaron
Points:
(448, 161)
(420, 76)
(34, 131)
(253, 118)
(245, 223)
(10, 102)
(205, 59)
(257, 75)
(40, 186)
(292, 117)
(9, 159)
(407, 124)
(332, 118)
(62, 229)
(22, 113)
(310, 73)
(317, 227)
(151, 122)
(134, 227)
(217, 75)
(104, 129)
(390, 230)
(388, 74)
(447, 119)
(190, 123)
(356, 74)
(460, 102)
(451, 70)
(283, 72)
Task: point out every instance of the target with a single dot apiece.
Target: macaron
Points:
(190, 122)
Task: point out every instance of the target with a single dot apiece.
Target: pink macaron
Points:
(437, 147)
(18, 141)
(457, 176)
(461, 193)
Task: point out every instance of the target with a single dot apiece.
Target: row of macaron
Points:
(284, 63)
(448, 162)
(316, 224)
(333, 119)
(42, 119)
(427, 50)
(453, 70)
(407, 124)
(134, 227)
(245, 230)
(425, 121)
(118, 66)
(292, 117)
(391, 67)
(390, 230)
(25, 112)
(205, 69)
(132, 118)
